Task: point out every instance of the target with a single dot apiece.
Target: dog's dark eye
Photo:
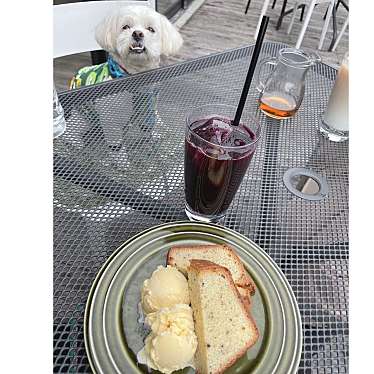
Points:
(151, 29)
(125, 27)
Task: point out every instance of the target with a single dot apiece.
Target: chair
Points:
(285, 12)
(335, 43)
(298, 4)
(74, 24)
(311, 4)
(345, 5)
(340, 34)
(264, 9)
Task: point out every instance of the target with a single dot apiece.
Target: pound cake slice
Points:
(219, 254)
(224, 329)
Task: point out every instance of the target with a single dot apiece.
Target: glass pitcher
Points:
(282, 89)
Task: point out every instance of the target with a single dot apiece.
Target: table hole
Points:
(305, 183)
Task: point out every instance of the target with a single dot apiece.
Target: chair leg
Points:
(324, 17)
(337, 5)
(247, 7)
(263, 12)
(274, 2)
(293, 17)
(305, 24)
(280, 19)
(345, 5)
(302, 13)
(326, 24)
(340, 34)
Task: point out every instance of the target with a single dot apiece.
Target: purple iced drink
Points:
(217, 156)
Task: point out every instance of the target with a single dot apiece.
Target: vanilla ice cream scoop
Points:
(168, 351)
(177, 319)
(166, 287)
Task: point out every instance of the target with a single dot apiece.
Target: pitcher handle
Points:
(260, 83)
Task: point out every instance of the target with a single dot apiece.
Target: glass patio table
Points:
(118, 170)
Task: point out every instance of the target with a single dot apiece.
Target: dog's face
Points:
(138, 36)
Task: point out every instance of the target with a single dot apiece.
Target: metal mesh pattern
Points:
(117, 173)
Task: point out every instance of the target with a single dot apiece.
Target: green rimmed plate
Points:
(113, 335)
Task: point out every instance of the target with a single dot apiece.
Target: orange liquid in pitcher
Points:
(278, 105)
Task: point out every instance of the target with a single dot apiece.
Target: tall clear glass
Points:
(334, 123)
(216, 158)
(59, 124)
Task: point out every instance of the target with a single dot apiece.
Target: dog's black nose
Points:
(137, 35)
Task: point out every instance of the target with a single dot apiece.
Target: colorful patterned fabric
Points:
(97, 74)
(115, 70)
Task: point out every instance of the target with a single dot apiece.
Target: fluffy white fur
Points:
(115, 34)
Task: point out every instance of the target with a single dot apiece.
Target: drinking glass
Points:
(59, 123)
(216, 159)
(334, 123)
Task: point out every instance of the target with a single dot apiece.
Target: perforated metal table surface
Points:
(118, 169)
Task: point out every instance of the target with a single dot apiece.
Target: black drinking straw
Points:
(251, 70)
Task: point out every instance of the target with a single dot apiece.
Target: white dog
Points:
(135, 38)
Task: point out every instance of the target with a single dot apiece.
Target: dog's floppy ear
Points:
(105, 33)
(171, 39)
